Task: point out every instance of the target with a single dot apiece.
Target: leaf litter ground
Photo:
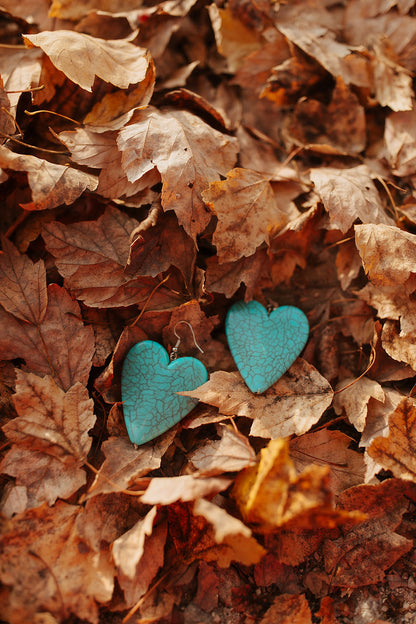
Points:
(160, 161)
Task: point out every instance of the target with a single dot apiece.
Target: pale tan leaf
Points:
(354, 400)
(400, 139)
(392, 82)
(396, 451)
(399, 347)
(167, 490)
(232, 452)
(129, 547)
(51, 184)
(82, 57)
(187, 152)
(292, 405)
(348, 195)
(388, 253)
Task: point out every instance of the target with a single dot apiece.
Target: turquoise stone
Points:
(264, 345)
(149, 382)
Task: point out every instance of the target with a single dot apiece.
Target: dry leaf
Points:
(231, 453)
(292, 405)
(39, 547)
(288, 609)
(60, 346)
(348, 195)
(51, 184)
(354, 401)
(187, 152)
(400, 139)
(168, 490)
(396, 451)
(387, 253)
(234, 536)
(271, 495)
(81, 57)
(246, 210)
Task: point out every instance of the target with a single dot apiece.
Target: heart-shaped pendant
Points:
(264, 345)
(149, 382)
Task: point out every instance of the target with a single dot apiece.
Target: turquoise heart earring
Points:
(264, 345)
(150, 379)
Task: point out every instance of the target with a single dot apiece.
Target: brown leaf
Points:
(51, 184)
(387, 253)
(363, 553)
(227, 277)
(231, 453)
(23, 291)
(123, 463)
(128, 549)
(82, 57)
(349, 194)
(50, 437)
(235, 538)
(288, 609)
(329, 448)
(396, 451)
(246, 210)
(400, 139)
(271, 495)
(39, 547)
(392, 82)
(201, 154)
(91, 256)
(292, 405)
(399, 347)
(60, 346)
(19, 69)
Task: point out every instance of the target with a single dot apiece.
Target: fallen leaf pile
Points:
(158, 162)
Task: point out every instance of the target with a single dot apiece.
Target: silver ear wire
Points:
(174, 352)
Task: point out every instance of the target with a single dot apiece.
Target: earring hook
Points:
(174, 352)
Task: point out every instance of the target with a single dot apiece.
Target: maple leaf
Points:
(39, 547)
(395, 452)
(226, 277)
(82, 57)
(50, 438)
(292, 405)
(349, 194)
(51, 184)
(246, 210)
(187, 152)
(60, 345)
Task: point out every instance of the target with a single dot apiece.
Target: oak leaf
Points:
(59, 346)
(82, 57)
(246, 210)
(292, 405)
(187, 152)
(51, 184)
(50, 438)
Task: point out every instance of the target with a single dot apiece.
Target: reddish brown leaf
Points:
(60, 346)
(227, 277)
(288, 609)
(39, 547)
(23, 291)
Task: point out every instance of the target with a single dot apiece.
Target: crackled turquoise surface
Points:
(264, 345)
(148, 385)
